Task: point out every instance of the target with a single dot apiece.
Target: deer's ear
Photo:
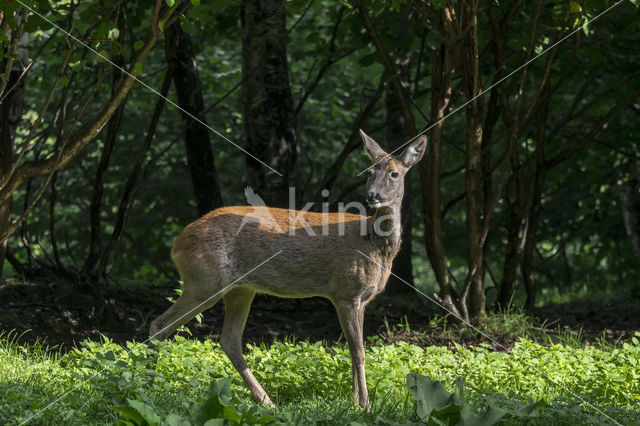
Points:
(371, 147)
(414, 152)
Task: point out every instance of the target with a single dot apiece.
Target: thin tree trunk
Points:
(431, 166)
(95, 210)
(127, 194)
(10, 114)
(269, 115)
(473, 163)
(534, 214)
(204, 178)
(493, 113)
(6, 153)
(396, 133)
(511, 255)
(515, 195)
(530, 241)
(516, 204)
(52, 222)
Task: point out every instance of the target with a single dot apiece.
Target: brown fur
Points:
(331, 257)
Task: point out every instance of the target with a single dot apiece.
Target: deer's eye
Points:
(394, 175)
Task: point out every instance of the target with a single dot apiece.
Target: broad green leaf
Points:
(176, 420)
(491, 416)
(431, 396)
(129, 416)
(146, 411)
(219, 403)
(214, 422)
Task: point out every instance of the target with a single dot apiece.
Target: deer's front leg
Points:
(350, 314)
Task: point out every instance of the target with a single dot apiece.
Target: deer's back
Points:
(317, 254)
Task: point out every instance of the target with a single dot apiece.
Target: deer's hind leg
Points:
(237, 304)
(193, 300)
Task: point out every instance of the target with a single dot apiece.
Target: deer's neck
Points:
(386, 229)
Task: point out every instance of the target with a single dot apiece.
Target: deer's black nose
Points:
(374, 198)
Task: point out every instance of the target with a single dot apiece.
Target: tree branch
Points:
(331, 175)
(405, 103)
(568, 152)
(89, 132)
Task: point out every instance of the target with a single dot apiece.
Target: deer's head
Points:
(385, 185)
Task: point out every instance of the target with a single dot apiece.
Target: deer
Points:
(344, 257)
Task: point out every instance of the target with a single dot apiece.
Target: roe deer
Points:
(343, 257)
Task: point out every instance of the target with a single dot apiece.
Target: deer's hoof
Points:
(266, 401)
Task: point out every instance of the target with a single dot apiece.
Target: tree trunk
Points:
(396, 134)
(431, 166)
(530, 242)
(181, 60)
(534, 214)
(269, 116)
(95, 210)
(10, 113)
(516, 205)
(127, 194)
(473, 162)
(493, 113)
(512, 253)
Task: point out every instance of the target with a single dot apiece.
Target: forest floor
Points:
(62, 319)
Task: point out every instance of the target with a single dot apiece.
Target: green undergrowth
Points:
(499, 329)
(194, 383)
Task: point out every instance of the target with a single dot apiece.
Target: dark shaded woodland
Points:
(529, 194)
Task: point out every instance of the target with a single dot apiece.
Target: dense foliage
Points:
(311, 383)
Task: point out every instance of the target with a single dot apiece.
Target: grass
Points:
(311, 383)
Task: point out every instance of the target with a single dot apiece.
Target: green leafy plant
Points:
(119, 373)
(219, 407)
(437, 406)
(311, 383)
